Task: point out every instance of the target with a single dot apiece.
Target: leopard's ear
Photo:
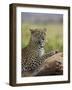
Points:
(32, 30)
(45, 30)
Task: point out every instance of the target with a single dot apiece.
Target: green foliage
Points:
(54, 35)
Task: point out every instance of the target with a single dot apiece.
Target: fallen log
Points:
(51, 66)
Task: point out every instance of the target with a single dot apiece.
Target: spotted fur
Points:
(33, 55)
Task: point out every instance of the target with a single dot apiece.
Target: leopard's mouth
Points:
(42, 45)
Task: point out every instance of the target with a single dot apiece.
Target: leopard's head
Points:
(38, 37)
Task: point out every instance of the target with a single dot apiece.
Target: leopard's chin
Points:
(42, 46)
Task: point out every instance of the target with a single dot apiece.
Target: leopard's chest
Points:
(41, 52)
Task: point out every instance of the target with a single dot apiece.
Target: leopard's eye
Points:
(42, 38)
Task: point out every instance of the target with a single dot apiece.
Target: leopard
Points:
(34, 54)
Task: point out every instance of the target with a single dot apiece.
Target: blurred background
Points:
(52, 22)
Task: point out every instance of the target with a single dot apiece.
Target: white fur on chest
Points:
(41, 51)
